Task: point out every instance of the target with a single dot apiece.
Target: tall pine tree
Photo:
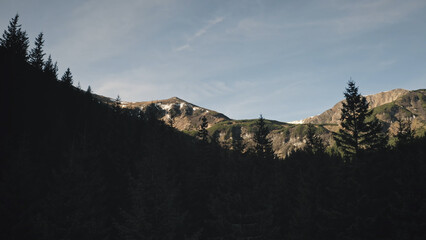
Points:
(202, 132)
(314, 143)
(14, 39)
(356, 134)
(51, 68)
(263, 145)
(405, 134)
(36, 54)
(67, 77)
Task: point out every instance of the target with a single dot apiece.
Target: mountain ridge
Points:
(332, 115)
(287, 136)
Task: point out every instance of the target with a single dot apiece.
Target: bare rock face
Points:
(186, 116)
(386, 106)
(333, 115)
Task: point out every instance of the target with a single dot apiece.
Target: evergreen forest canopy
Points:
(77, 168)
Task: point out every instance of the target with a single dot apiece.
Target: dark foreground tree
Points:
(67, 77)
(50, 68)
(237, 143)
(405, 134)
(356, 134)
(14, 39)
(203, 134)
(36, 54)
(173, 113)
(314, 143)
(263, 145)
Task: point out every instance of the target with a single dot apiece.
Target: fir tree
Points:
(405, 134)
(36, 54)
(152, 113)
(356, 134)
(263, 145)
(50, 68)
(173, 113)
(238, 144)
(375, 137)
(117, 104)
(314, 143)
(67, 77)
(89, 92)
(14, 39)
(202, 132)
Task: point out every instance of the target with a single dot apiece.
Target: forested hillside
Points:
(72, 167)
(388, 107)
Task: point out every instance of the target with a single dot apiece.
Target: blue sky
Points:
(287, 60)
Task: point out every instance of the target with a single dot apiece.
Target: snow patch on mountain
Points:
(296, 122)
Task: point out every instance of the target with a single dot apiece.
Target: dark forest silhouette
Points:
(72, 167)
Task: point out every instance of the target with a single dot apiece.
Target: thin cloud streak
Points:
(199, 33)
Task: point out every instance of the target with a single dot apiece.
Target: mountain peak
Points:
(188, 116)
(332, 115)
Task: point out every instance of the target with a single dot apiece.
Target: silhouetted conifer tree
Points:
(173, 113)
(405, 134)
(263, 145)
(237, 141)
(375, 138)
(202, 132)
(67, 77)
(152, 113)
(314, 143)
(356, 134)
(51, 68)
(117, 104)
(36, 54)
(14, 39)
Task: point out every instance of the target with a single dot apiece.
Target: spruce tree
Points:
(263, 147)
(117, 104)
(89, 92)
(50, 68)
(14, 39)
(356, 134)
(404, 133)
(237, 143)
(173, 113)
(36, 54)
(202, 132)
(314, 143)
(67, 77)
(375, 138)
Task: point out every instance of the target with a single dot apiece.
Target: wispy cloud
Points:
(183, 47)
(199, 33)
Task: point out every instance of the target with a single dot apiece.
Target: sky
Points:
(286, 60)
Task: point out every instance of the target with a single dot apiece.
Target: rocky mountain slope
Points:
(185, 116)
(332, 115)
(386, 106)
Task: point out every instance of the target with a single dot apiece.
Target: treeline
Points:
(72, 167)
